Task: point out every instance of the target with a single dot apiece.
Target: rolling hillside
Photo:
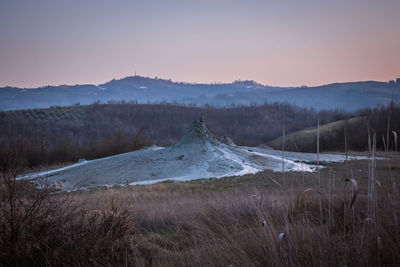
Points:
(348, 96)
(331, 134)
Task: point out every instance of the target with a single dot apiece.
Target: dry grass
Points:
(248, 221)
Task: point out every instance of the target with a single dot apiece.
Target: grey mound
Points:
(199, 154)
(199, 133)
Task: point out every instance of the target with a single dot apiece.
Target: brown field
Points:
(266, 219)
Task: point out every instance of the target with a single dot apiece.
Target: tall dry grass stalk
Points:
(319, 175)
(395, 194)
(346, 148)
(318, 172)
(283, 156)
(372, 199)
(388, 126)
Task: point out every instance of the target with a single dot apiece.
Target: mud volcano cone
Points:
(199, 133)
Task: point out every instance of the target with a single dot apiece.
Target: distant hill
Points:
(348, 96)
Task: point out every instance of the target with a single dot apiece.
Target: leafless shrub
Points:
(38, 227)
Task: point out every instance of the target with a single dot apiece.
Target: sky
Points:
(274, 42)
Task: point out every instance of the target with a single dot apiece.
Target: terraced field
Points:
(53, 113)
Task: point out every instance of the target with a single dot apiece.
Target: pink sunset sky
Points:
(282, 43)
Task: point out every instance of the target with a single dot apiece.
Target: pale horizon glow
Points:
(278, 43)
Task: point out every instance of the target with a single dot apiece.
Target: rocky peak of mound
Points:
(227, 141)
(198, 132)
